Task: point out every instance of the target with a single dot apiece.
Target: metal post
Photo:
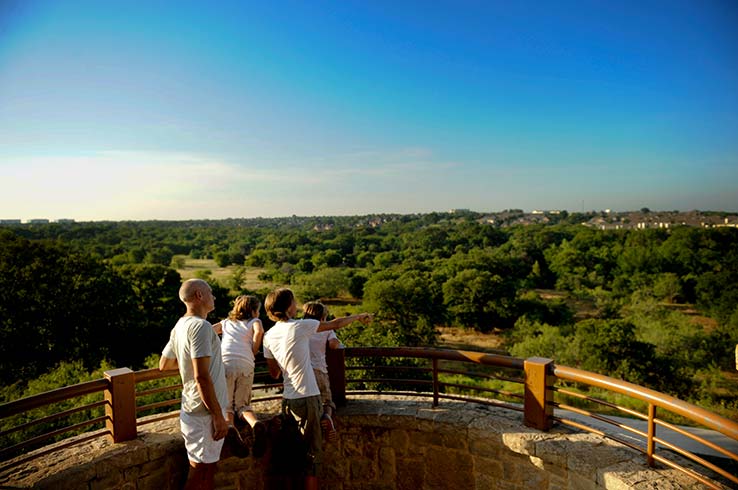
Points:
(650, 446)
(120, 409)
(538, 394)
(336, 360)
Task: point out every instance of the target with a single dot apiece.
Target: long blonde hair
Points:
(244, 307)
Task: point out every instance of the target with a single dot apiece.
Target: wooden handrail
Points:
(674, 405)
(433, 353)
(53, 396)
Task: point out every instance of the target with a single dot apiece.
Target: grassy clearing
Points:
(223, 275)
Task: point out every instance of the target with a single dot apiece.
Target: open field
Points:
(223, 275)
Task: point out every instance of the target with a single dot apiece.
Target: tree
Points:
(479, 299)
(323, 283)
(58, 305)
(409, 304)
(155, 291)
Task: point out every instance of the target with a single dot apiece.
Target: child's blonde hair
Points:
(244, 307)
(315, 310)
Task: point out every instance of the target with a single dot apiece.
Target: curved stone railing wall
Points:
(387, 443)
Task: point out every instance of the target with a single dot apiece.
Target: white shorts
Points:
(197, 431)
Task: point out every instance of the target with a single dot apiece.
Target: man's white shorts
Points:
(198, 436)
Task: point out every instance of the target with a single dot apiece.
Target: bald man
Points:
(194, 349)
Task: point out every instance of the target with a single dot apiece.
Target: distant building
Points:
(65, 220)
(38, 221)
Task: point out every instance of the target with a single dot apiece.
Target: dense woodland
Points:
(660, 306)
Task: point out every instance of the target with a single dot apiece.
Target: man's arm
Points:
(206, 389)
(167, 363)
(341, 322)
(274, 370)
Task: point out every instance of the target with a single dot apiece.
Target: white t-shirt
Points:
(288, 343)
(317, 349)
(191, 338)
(237, 342)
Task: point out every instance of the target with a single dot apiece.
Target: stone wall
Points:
(392, 444)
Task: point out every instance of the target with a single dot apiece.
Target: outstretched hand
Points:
(366, 318)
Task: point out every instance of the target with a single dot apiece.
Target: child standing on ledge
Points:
(242, 333)
(287, 351)
(318, 342)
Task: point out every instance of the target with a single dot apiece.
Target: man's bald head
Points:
(190, 288)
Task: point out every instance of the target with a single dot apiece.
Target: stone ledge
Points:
(384, 443)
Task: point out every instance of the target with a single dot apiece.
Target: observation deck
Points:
(403, 422)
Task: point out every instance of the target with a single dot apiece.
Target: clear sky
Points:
(117, 110)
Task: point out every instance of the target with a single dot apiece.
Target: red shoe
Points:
(329, 430)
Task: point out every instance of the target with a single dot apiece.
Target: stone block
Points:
(62, 481)
(410, 474)
(112, 479)
(587, 456)
(400, 441)
(487, 467)
(631, 475)
(386, 464)
(448, 468)
(551, 468)
(487, 447)
(160, 445)
(153, 480)
(579, 482)
(362, 469)
(519, 469)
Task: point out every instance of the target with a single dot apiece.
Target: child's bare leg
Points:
(249, 417)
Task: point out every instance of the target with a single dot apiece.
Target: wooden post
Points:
(336, 360)
(121, 404)
(538, 394)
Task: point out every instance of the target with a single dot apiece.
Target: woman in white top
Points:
(242, 333)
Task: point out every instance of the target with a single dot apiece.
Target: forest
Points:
(656, 307)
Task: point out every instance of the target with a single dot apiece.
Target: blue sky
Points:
(176, 110)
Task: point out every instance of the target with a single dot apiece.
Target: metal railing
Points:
(534, 386)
